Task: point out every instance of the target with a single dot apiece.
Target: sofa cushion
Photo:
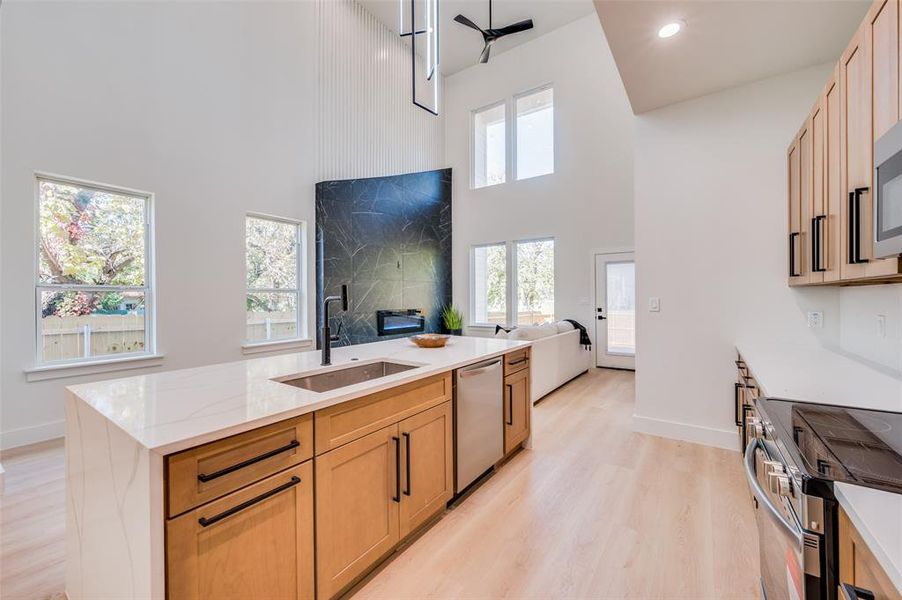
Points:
(563, 326)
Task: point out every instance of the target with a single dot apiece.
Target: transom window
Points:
(489, 146)
(93, 290)
(275, 297)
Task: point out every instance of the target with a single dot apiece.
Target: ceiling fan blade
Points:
(484, 57)
(515, 28)
(465, 21)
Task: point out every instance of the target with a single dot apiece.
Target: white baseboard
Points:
(31, 435)
(707, 436)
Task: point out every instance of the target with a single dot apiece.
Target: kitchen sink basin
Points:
(339, 378)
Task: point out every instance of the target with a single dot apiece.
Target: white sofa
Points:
(557, 356)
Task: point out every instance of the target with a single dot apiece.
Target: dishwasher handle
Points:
(480, 368)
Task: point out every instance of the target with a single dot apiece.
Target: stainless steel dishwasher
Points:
(479, 420)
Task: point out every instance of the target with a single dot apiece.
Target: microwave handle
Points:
(851, 592)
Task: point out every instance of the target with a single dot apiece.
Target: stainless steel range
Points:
(796, 450)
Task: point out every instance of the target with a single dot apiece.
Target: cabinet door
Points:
(806, 176)
(357, 501)
(857, 133)
(795, 214)
(254, 543)
(858, 566)
(833, 190)
(427, 480)
(818, 215)
(516, 410)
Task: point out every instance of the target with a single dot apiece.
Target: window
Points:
(535, 133)
(535, 282)
(275, 299)
(94, 292)
(489, 146)
(621, 305)
(489, 285)
(492, 285)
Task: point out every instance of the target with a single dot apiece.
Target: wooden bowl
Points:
(430, 340)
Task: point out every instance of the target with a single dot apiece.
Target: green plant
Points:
(454, 320)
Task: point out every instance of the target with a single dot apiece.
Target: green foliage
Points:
(271, 254)
(111, 301)
(453, 318)
(535, 274)
(496, 280)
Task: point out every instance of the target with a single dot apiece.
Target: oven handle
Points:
(790, 528)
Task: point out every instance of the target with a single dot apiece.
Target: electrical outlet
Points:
(815, 319)
(654, 304)
(881, 326)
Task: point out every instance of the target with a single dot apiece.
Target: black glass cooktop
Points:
(835, 443)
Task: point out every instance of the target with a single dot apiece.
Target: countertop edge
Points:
(892, 569)
(218, 434)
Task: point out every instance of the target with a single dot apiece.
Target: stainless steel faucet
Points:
(327, 337)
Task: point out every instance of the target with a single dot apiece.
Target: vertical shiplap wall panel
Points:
(368, 126)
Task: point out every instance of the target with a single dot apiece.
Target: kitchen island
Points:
(170, 475)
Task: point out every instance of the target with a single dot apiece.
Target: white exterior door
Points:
(615, 310)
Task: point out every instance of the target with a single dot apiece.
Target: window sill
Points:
(276, 345)
(108, 365)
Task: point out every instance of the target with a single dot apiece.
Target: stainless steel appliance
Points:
(796, 450)
(887, 197)
(479, 420)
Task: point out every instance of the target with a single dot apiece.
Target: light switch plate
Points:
(654, 304)
(815, 319)
(881, 326)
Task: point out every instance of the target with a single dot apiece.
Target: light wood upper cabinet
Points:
(357, 501)
(428, 466)
(516, 410)
(833, 190)
(254, 543)
(817, 207)
(794, 168)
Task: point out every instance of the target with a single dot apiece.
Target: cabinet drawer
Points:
(343, 423)
(516, 361)
(207, 472)
(253, 543)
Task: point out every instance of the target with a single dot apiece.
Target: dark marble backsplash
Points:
(389, 239)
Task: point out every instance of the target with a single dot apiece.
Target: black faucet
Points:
(327, 337)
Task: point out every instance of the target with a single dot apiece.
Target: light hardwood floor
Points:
(593, 511)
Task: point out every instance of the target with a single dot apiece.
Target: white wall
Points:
(710, 189)
(587, 203)
(214, 108)
(860, 333)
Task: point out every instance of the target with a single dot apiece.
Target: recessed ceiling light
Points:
(671, 29)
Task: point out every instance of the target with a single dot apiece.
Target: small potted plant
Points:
(454, 321)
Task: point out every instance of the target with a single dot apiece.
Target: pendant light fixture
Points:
(419, 20)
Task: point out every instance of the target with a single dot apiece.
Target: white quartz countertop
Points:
(877, 516)
(811, 373)
(175, 410)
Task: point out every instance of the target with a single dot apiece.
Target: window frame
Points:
(148, 289)
(514, 129)
(512, 299)
(507, 143)
(300, 282)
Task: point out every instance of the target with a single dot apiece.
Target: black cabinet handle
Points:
(205, 522)
(855, 226)
(736, 417)
(792, 254)
(817, 241)
(851, 592)
(518, 362)
(289, 446)
(510, 405)
(397, 496)
(407, 448)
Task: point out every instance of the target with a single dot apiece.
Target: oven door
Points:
(780, 537)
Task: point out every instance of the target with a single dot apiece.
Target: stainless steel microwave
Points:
(888, 193)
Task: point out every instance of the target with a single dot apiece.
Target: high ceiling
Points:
(724, 43)
(460, 46)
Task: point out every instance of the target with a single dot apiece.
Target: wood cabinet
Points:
(256, 542)
(830, 161)
(858, 566)
(357, 502)
(517, 404)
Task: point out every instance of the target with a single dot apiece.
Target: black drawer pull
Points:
(397, 496)
(510, 405)
(205, 522)
(407, 448)
(518, 362)
(289, 446)
(736, 388)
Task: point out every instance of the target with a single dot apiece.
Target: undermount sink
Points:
(331, 380)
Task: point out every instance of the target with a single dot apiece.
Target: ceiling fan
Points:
(490, 35)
